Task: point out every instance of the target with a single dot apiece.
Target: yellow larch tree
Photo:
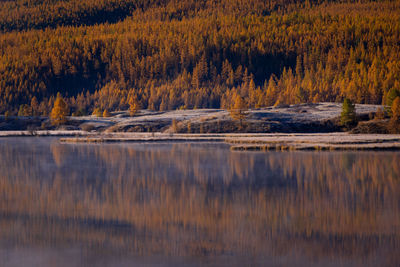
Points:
(59, 112)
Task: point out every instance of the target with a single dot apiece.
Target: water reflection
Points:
(198, 204)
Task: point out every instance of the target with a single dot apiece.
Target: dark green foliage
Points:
(348, 116)
(390, 97)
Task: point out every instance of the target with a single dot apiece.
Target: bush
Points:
(79, 113)
(380, 114)
(87, 127)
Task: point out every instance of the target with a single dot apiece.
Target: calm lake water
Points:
(195, 204)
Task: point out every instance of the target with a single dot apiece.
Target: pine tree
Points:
(390, 97)
(348, 115)
(59, 112)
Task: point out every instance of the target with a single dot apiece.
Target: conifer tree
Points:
(348, 115)
(35, 106)
(133, 106)
(106, 114)
(396, 109)
(394, 123)
(97, 112)
(390, 97)
(238, 110)
(59, 112)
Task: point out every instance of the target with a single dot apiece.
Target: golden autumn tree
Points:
(394, 123)
(238, 109)
(106, 113)
(59, 112)
(133, 105)
(396, 109)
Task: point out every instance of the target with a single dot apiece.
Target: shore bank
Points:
(260, 142)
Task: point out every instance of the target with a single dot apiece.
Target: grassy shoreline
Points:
(259, 142)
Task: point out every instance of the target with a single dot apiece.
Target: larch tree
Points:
(59, 112)
(394, 123)
(133, 106)
(396, 109)
(238, 109)
(106, 113)
(35, 106)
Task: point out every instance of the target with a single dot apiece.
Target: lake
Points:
(195, 204)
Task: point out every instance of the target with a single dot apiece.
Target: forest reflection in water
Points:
(198, 204)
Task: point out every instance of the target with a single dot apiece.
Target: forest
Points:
(186, 54)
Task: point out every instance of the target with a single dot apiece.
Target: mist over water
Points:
(195, 204)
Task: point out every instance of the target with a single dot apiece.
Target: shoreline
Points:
(295, 127)
(237, 141)
(258, 142)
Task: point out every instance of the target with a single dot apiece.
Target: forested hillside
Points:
(169, 54)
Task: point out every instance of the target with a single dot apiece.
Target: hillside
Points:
(300, 118)
(170, 54)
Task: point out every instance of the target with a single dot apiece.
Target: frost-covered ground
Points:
(121, 128)
(294, 118)
(294, 114)
(46, 133)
